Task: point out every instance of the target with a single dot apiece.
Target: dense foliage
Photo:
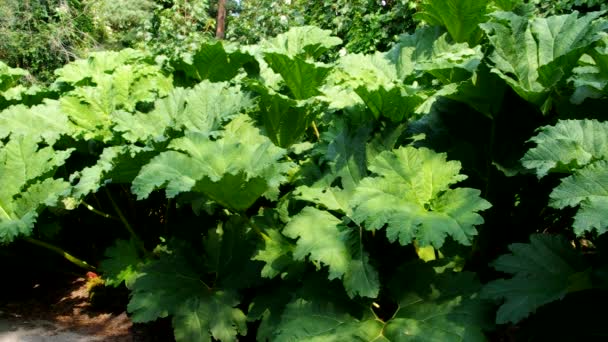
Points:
(363, 25)
(565, 6)
(43, 35)
(451, 188)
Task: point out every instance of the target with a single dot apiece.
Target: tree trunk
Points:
(220, 28)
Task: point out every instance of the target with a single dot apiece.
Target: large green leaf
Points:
(284, 120)
(397, 104)
(11, 91)
(268, 307)
(568, 145)
(92, 109)
(587, 188)
(97, 65)
(550, 48)
(411, 194)
(414, 48)
(43, 121)
(600, 54)
(275, 253)
(590, 83)
(305, 41)
(591, 78)
(117, 164)
(202, 109)
(355, 71)
(346, 154)
(372, 71)
(455, 65)
(275, 250)
(436, 306)
(152, 125)
(306, 320)
(164, 285)
(322, 236)
(325, 195)
(234, 170)
(344, 151)
(544, 270)
(578, 147)
(378, 79)
(460, 17)
(428, 50)
(212, 61)
(122, 264)
(172, 286)
(9, 76)
(228, 252)
(207, 106)
(29, 96)
(301, 77)
(484, 92)
(430, 307)
(200, 319)
(26, 184)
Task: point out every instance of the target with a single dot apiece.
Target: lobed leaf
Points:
(591, 80)
(202, 109)
(544, 270)
(322, 236)
(301, 77)
(46, 122)
(276, 253)
(460, 17)
(346, 154)
(228, 251)
(567, 146)
(27, 184)
(118, 164)
(284, 120)
(355, 71)
(92, 109)
(122, 264)
(213, 62)
(234, 170)
(306, 320)
(551, 48)
(97, 65)
(437, 306)
(587, 188)
(9, 76)
(171, 286)
(397, 104)
(332, 198)
(305, 41)
(428, 50)
(200, 319)
(411, 194)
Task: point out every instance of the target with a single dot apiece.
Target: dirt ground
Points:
(62, 311)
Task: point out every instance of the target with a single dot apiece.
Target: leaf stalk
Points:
(99, 212)
(74, 260)
(126, 223)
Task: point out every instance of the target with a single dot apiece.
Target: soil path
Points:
(65, 314)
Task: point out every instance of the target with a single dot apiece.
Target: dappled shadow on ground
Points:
(63, 304)
(66, 305)
(39, 289)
